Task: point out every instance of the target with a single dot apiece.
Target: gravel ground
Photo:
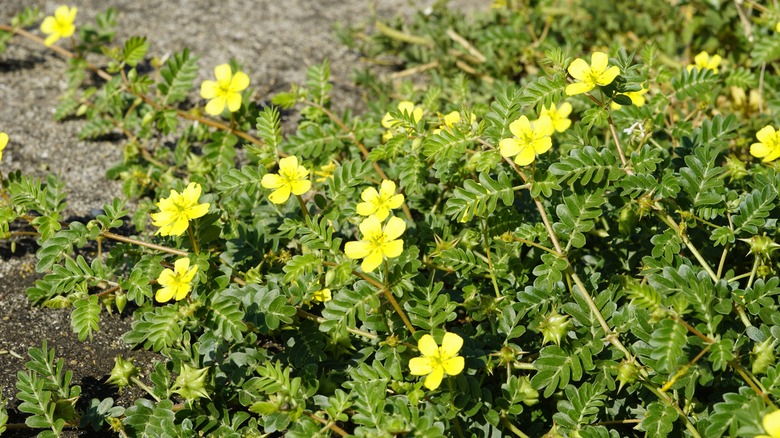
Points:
(275, 40)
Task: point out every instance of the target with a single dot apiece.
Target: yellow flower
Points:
(379, 203)
(771, 425)
(777, 27)
(175, 283)
(703, 61)
(325, 172)
(529, 139)
(589, 76)
(389, 122)
(323, 295)
(3, 143)
(226, 90)
(291, 178)
(177, 210)
(769, 147)
(637, 98)
(60, 25)
(436, 361)
(377, 242)
(558, 116)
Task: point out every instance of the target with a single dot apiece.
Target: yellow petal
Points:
(394, 228)
(395, 201)
(188, 276)
(452, 118)
(164, 295)
(288, 164)
(427, 346)
(64, 14)
(48, 25)
(564, 110)
(772, 155)
(182, 292)
(300, 187)
(180, 266)
(454, 365)
(271, 181)
(233, 102)
(216, 106)
(365, 208)
(3, 140)
(406, 107)
(578, 88)
(357, 250)
(759, 150)
(393, 249)
(520, 127)
(526, 156)
(369, 195)
(766, 134)
(434, 378)
(579, 69)
(417, 114)
(51, 39)
(771, 424)
(702, 59)
(191, 193)
(541, 145)
(370, 227)
(208, 89)
(239, 82)
(450, 345)
(599, 61)
(179, 227)
(387, 121)
(280, 195)
(608, 76)
(197, 211)
(543, 126)
(166, 277)
(509, 147)
(387, 187)
(372, 261)
(223, 73)
(420, 366)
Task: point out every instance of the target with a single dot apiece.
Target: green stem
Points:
(668, 400)
(534, 244)
(118, 238)
(389, 295)
(489, 258)
(661, 213)
(194, 241)
(512, 428)
(304, 210)
(143, 386)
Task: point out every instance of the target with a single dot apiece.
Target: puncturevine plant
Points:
(555, 218)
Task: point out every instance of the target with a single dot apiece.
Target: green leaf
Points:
(576, 216)
(318, 82)
(667, 343)
(269, 128)
(134, 50)
(543, 91)
(766, 49)
(178, 73)
(753, 211)
(581, 406)
(85, 317)
(694, 83)
(225, 318)
(503, 111)
(730, 413)
(480, 198)
(146, 419)
(659, 419)
(585, 166)
(157, 330)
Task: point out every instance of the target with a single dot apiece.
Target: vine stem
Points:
(668, 220)
(65, 53)
(665, 397)
(117, 237)
(328, 424)
(143, 386)
(489, 258)
(508, 424)
(361, 147)
(319, 320)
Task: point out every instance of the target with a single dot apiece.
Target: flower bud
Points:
(122, 372)
(192, 382)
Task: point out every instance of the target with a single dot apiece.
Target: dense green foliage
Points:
(622, 284)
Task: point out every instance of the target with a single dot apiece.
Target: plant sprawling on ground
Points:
(555, 218)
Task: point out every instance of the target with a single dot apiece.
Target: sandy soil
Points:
(275, 40)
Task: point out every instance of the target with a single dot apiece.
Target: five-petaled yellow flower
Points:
(322, 295)
(598, 73)
(703, 61)
(558, 116)
(379, 203)
(291, 178)
(389, 122)
(771, 425)
(177, 210)
(436, 361)
(377, 242)
(530, 139)
(175, 283)
(769, 147)
(225, 91)
(60, 25)
(3, 143)
(637, 98)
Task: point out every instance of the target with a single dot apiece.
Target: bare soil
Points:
(274, 40)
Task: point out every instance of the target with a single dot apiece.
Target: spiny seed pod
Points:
(122, 372)
(627, 373)
(192, 382)
(553, 327)
(627, 220)
(530, 395)
(762, 356)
